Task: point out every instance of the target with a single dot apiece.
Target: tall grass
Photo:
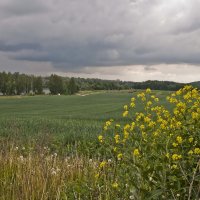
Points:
(31, 174)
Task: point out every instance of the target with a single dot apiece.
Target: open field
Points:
(68, 147)
(68, 118)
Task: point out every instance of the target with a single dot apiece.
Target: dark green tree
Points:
(56, 84)
(3, 80)
(10, 84)
(20, 81)
(72, 86)
(37, 85)
(28, 84)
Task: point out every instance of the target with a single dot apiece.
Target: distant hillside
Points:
(99, 84)
(195, 84)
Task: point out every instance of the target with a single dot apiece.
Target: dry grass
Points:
(33, 175)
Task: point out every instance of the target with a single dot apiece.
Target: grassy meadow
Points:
(61, 147)
(64, 118)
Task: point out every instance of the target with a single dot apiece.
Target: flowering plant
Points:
(157, 150)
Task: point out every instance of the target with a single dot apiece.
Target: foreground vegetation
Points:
(149, 150)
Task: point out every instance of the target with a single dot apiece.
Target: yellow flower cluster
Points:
(117, 138)
(166, 134)
(142, 96)
(102, 164)
(176, 157)
(107, 124)
(197, 151)
(125, 113)
(179, 139)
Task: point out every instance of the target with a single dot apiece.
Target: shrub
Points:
(156, 153)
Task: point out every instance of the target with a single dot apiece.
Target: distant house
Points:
(46, 91)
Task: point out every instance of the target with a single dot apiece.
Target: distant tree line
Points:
(98, 84)
(17, 84)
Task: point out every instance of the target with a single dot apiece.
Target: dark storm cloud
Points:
(80, 33)
(12, 8)
(19, 47)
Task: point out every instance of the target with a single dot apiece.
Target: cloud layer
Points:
(81, 34)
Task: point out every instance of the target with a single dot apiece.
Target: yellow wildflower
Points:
(178, 124)
(144, 135)
(102, 164)
(126, 134)
(119, 156)
(179, 92)
(100, 138)
(117, 126)
(191, 139)
(197, 151)
(195, 115)
(136, 152)
(125, 107)
(108, 123)
(132, 104)
(156, 133)
(175, 144)
(176, 157)
(117, 137)
(167, 155)
(187, 96)
(132, 126)
(147, 119)
(125, 113)
(149, 103)
(174, 166)
(179, 139)
(105, 128)
(96, 176)
(148, 90)
(190, 152)
(151, 124)
(142, 127)
(143, 98)
(127, 127)
(115, 185)
(133, 99)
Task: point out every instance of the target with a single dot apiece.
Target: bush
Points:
(156, 154)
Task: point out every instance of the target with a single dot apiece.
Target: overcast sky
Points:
(133, 40)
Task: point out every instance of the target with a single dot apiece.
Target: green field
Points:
(63, 118)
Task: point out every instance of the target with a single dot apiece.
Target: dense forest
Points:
(16, 84)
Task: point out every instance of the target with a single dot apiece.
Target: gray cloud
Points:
(11, 8)
(19, 46)
(76, 34)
